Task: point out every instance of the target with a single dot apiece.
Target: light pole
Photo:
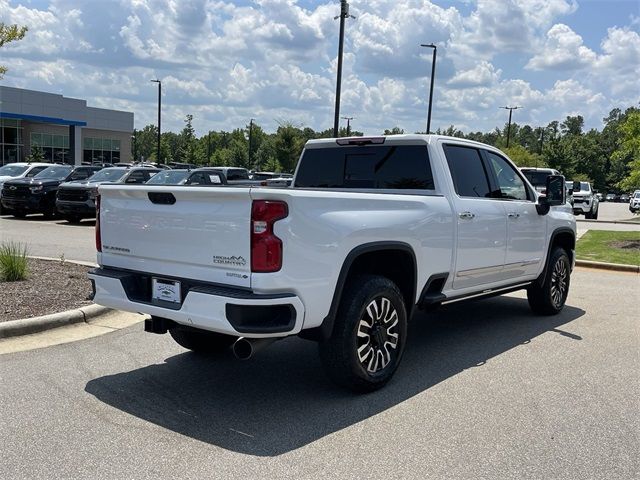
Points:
(511, 109)
(159, 82)
(135, 145)
(433, 75)
(344, 14)
(250, 143)
(348, 119)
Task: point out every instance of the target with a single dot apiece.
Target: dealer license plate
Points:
(165, 290)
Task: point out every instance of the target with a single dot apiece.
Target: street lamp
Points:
(159, 82)
(433, 74)
(344, 14)
(135, 145)
(511, 109)
(250, 144)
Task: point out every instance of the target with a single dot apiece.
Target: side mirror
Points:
(555, 190)
(555, 194)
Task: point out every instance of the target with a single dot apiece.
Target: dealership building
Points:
(65, 129)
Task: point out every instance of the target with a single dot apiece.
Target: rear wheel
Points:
(549, 297)
(201, 341)
(73, 218)
(19, 214)
(369, 335)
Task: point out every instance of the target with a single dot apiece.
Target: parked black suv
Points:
(38, 194)
(76, 199)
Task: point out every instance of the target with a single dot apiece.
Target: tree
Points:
(288, 146)
(394, 131)
(523, 157)
(630, 148)
(8, 34)
(36, 154)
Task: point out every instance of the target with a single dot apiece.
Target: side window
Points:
(469, 176)
(80, 174)
(136, 177)
(196, 179)
(148, 175)
(34, 171)
(510, 185)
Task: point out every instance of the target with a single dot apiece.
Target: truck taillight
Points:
(266, 248)
(98, 237)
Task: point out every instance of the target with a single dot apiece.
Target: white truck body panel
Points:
(199, 237)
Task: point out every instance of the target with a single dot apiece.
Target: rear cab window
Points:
(404, 167)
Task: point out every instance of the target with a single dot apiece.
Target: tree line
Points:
(608, 158)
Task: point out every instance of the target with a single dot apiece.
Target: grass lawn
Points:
(612, 247)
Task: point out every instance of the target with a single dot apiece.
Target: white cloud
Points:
(483, 74)
(276, 60)
(563, 49)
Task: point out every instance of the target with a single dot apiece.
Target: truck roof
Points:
(389, 140)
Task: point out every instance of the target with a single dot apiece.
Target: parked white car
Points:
(371, 230)
(634, 202)
(12, 171)
(585, 201)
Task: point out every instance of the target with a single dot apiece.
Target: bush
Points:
(13, 262)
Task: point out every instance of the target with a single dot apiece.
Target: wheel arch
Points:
(394, 260)
(561, 237)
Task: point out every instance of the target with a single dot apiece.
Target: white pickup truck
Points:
(371, 230)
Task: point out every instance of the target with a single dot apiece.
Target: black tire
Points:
(354, 356)
(73, 218)
(587, 215)
(595, 214)
(19, 214)
(201, 341)
(549, 297)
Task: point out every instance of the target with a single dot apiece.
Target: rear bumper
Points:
(210, 307)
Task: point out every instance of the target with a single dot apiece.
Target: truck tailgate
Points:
(198, 233)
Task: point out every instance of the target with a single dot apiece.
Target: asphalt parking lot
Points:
(485, 390)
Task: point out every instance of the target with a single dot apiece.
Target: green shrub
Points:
(13, 262)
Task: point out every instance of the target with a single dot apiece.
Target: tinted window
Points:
(82, 173)
(197, 179)
(169, 177)
(509, 182)
(536, 177)
(136, 176)
(34, 171)
(388, 167)
(109, 175)
(239, 174)
(467, 170)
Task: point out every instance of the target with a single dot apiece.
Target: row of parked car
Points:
(584, 200)
(70, 191)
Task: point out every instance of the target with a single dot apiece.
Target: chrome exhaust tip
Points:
(245, 348)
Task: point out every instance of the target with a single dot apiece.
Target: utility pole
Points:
(433, 75)
(250, 143)
(348, 119)
(511, 109)
(344, 14)
(159, 82)
(208, 147)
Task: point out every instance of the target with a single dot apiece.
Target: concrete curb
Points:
(617, 222)
(25, 326)
(77, 262)
(616, 267)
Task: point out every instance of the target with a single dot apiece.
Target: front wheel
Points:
(369, 335)
(73, 218)
(549, 297)
(201, 341)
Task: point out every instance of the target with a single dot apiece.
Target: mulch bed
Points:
(626, 244)
(51, 287)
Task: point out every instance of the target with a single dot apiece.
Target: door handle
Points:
(513, 215)
(466, 215)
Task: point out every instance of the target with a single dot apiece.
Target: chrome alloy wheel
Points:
(559, 283)
(378, 337)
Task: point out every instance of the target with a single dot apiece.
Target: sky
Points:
(275, 61)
